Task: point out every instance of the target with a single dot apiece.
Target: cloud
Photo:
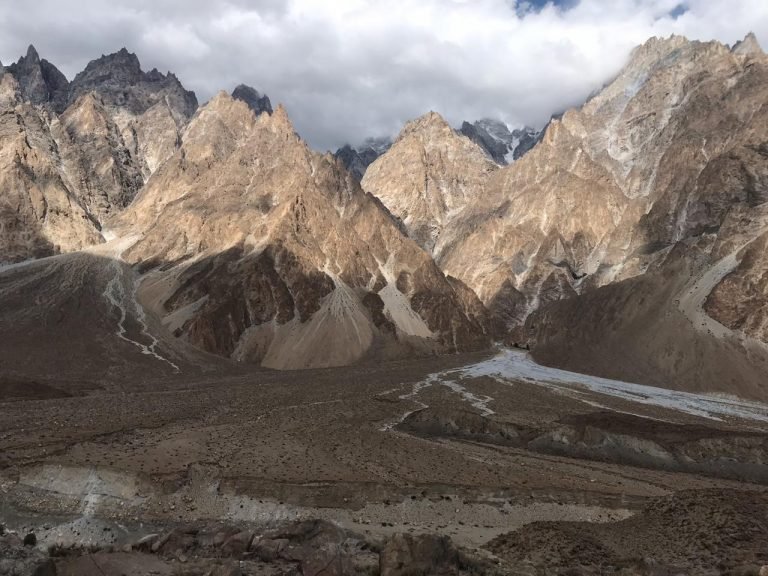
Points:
(347, 69)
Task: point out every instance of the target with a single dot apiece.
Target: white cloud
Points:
(347, 69)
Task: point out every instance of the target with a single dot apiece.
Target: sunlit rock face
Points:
(262, 250)
(662, 172)
(78, 153)
(429, 176)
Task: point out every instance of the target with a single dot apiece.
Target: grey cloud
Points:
(347, 69)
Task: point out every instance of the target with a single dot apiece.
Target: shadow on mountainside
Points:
(652, 328)
(76, 319)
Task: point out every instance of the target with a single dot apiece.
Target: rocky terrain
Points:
(671, 535)
(286, 263)
(274, 472)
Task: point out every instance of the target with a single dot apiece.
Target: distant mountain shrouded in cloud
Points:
(348, 69)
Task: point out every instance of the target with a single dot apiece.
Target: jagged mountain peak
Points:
(226, 105)
(32, 55)
(659, 52)
(256, 101)
(120, 80)
(429, 176)
(280, 121)
(431, 121)
(378, 144)
(431, 118)
(121, 66)
(40, 82)
(748, 46)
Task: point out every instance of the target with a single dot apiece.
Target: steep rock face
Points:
(651, 329)
(499, 142)
(739, 300)
(263, 251)
(102, 171)
(40, 82)
(152, 137)
(121, 125)
(749, 46)
(688, 152)
(39, 215)
(357, 160)
(149, 108)
(257, 102)
(428, 177)
(613, 185)
(535, 227)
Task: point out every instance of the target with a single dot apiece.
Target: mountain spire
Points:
(748, 46)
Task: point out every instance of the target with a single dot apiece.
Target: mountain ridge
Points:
(442, 249)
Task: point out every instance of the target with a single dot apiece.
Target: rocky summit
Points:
(429, 176)
(40, 82)
(120, 81)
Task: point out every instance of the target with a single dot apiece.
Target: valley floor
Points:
(471, 447)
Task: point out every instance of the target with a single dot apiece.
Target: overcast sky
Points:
(347, 69)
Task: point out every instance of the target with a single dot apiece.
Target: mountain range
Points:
(626, 239)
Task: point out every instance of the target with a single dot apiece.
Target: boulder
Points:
(16, 558)
(237, 544)
(421, 555)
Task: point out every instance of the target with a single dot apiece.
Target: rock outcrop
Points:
(287, 263)
(257, 102)
(749, 46)
(671, 534)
